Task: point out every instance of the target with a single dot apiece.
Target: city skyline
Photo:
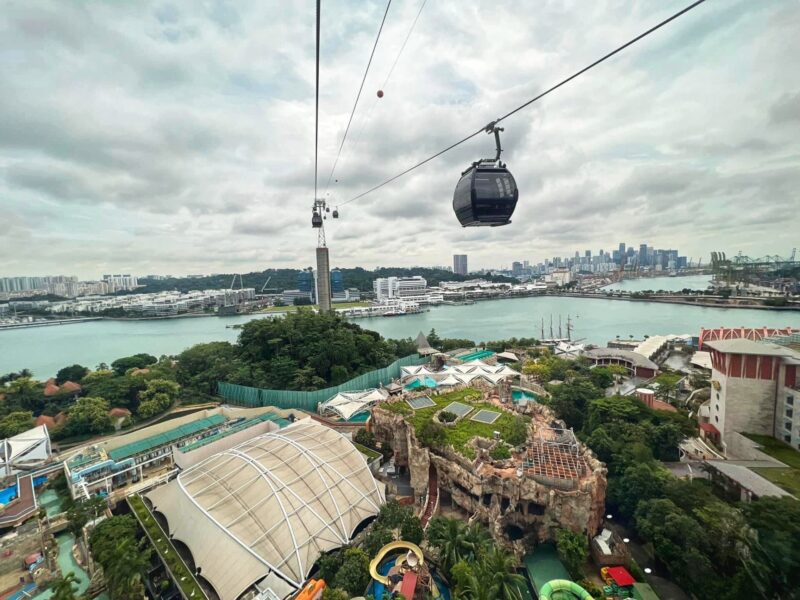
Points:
(146, 162)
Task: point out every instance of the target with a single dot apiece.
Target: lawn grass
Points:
(460, 434)
(181, 573)
(777, 449)
(788, 479)
(368, 452)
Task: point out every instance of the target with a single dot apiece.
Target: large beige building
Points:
(755, 389)
(260, 514)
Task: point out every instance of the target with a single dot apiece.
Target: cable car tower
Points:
(319, 214)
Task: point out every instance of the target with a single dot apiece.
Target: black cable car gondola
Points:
(486, 194)
(316, 220)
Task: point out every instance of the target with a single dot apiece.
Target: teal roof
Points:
(277, 419)
(543, 565)
(476, 355)
(165, 438)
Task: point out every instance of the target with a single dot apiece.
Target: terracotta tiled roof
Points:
(47, 421)
(119, 412)
(70, 386)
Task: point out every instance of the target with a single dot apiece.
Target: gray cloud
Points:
(178, 137)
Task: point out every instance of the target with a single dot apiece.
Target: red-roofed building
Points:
(754, 389)
(621, 576)
(70, 386)
(50, 388)
(118, 412)
(47, 421)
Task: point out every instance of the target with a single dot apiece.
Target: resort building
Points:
(637, 364)
(399, 287)
(122, 461)
(258, 515)
(755, 389)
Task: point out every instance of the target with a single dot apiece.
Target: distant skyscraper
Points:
(643, 254)
(337, 282)
(622, 249)
(588, 254)
(516, 268)
(305, 281)
(460, 264)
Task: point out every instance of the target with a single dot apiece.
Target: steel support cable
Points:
(385, 81)
(316, 109)
(532, 100)
(358, 96)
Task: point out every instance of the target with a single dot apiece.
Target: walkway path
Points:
(23, 507)
(433, 497)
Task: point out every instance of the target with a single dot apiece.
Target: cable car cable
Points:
(366, 118)
(316, 108)
(532, 100)
(358, 96)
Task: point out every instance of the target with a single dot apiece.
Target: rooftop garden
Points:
(512, 427)
(181, 573)
(789, 477)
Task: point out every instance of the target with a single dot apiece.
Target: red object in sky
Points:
(621, 576)
(380, 93)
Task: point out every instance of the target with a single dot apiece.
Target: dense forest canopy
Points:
(286, 279)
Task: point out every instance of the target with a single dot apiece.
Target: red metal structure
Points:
(748, 333)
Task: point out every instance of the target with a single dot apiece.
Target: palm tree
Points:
(62, 588)
(449, 537)
(127, 569)
(500, 568)
(476, 540)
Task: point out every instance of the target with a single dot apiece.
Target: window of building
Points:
(787, 425)
(716, 407)
(789, 413)
(717, 395)
(790, 400)
(716, 419)
(787, 439)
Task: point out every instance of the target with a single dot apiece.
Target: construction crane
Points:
(233, 281)
(263, 287)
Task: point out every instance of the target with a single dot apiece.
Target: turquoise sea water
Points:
(44, 350)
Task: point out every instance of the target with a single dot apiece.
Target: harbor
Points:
(596, 321)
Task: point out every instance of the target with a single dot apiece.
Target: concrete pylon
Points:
(323, 280)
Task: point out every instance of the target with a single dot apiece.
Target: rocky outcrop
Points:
(512, 504)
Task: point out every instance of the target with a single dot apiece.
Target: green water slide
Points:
(563, 589)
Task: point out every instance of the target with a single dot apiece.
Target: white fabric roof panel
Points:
(347, 404)
(278, 500)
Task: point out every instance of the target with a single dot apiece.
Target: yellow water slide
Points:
(401, 545)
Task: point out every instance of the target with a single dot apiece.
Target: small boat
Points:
(394, 313)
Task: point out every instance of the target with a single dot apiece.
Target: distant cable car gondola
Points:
(486, 194)
(316, 220)
(335, 213)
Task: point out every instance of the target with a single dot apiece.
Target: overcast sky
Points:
(178, 137)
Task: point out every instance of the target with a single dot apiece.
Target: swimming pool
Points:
(520, 395)
(8, 494)
(479, 355)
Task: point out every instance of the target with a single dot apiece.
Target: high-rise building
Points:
(622, 248)
(337, 282)
(399, 287)
(460, 264)
(516, 268)
(643, 260)
(305, 281)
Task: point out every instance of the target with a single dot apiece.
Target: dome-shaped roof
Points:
(280, 500)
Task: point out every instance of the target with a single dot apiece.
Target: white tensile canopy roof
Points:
(272, 505)
(28, 447)
(449, 380)
(414, 371)
(480, 368)
(348, 404)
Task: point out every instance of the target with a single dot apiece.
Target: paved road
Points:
(666, 589)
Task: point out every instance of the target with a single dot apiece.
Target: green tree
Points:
(376, 539)
(364, 437)
(432, 435)
(115, 544)
(158, 396)
(517, 432)
(203, 365)
(353, 575)
(639, 482)
(329, 564)
(334, 594)
(25, 393)
(15, 422)
(72, 373)
(775, 565)
(137, 361)
(118, 390)
(601, 377)
(63, 589)
(411, 530)
(88, 415)
(499, 568)
(573, 550)
(570, 400)
(448, 538)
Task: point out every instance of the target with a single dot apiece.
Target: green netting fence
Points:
(251, 397)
